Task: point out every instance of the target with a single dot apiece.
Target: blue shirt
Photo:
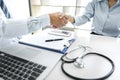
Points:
(106, 21)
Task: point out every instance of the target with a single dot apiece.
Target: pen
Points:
(49, 40)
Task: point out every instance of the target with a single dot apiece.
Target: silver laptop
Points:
(36, 58)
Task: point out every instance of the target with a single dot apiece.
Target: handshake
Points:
(58, 19)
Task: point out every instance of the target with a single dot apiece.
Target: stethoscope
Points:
(78, 63)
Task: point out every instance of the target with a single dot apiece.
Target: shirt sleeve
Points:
(13, 28)
(89, 13)
(38, 22)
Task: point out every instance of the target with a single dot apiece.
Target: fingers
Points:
(63, 19)
(59, 19)
(71, 18)
(67, 18)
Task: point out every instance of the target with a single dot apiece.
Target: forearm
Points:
(13, 28)
(38, 23)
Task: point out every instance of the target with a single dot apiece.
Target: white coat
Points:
(10, 28)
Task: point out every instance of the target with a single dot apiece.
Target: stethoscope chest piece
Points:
(79, 63)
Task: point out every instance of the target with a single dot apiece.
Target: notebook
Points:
(17, 59)
(50, 39)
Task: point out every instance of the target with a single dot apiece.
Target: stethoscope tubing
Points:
(93, 53)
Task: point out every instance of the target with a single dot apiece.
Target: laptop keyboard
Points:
(15, 68)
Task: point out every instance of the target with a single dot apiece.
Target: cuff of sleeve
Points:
(44, 19)
(75, 22)
(38, 22)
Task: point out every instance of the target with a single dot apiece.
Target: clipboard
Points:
(39, 40)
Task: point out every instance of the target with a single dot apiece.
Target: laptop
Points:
(17, 59)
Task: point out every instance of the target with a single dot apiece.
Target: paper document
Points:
(50, 39)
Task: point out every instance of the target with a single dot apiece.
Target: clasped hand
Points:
(58, 19)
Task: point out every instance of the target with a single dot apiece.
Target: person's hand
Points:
(70, 18)
(58, 19)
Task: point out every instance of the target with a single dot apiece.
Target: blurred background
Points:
(21, 9)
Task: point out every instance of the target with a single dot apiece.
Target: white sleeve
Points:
(38, 22)
(13, 28)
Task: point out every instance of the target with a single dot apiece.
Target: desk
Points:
(105, 45)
